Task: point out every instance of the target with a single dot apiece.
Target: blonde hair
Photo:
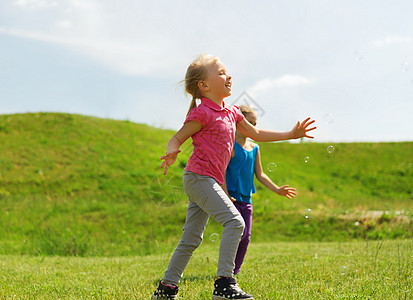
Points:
(197, 71)
(247, 109)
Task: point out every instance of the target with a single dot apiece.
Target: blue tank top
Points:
(240, 173)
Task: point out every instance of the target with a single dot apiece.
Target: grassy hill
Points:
(78, 185)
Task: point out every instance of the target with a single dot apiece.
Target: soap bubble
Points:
(306, 159)
(308, 213)
(405, 66)
(165, 190)
(214, 237)
(358, 55)
(328, 118)
(330, 149)
(343, 270)
(271, 167)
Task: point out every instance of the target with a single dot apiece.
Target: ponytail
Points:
(197, 71)
(192, 105)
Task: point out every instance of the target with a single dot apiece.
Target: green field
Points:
(284, 270)
(86, 212)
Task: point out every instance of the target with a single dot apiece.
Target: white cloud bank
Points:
(35, 4)
(389, 40)
(286, 81)
(106, 33)
(126, 57)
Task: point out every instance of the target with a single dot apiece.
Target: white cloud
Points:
(64, 24)
(286, 81)
(142, 37)
(126, 57)
(35, 4)
(37, 36)
(392, 40)
(129, 39)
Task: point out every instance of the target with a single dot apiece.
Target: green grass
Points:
(284, 270)
(85, 213)
(73, 185)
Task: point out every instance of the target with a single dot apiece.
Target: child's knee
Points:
(242, 224)
(190, 245)
(239, 224)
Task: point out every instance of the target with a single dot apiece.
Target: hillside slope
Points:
(78, 185)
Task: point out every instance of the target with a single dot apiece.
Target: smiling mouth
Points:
(228, 85)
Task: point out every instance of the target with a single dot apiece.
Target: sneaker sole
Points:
(214, 297)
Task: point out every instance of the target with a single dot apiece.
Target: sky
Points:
(346, 64)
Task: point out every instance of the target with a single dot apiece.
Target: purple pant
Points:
(245, 210)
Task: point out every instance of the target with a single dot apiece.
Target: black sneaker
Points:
(165, 291)
(227, 288)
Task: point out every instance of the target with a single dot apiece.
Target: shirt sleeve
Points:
(197, 115)
(238, 114)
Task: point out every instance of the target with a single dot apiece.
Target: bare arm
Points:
(224, 186)
(172, 149)
(267, 182)
(300, 130)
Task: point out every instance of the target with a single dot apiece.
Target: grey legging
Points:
(206, 198)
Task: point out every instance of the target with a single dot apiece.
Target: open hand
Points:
(301, 129)
(169, 159)
(287, 192)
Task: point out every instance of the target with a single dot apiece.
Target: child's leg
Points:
(209, 196)
(196, 220)
(246, 212)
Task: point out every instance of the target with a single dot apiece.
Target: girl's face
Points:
(219, 82)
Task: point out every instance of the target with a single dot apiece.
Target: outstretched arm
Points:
(284, 190)
(172, 150)
(301, 129)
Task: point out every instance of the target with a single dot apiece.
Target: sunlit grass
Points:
(84, 186)
(304, 270)
(85, 213)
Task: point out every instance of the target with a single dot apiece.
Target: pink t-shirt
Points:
(214, 142)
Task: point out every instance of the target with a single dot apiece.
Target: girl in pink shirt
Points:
(212, 126)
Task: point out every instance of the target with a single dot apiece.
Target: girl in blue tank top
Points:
(245, 162)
